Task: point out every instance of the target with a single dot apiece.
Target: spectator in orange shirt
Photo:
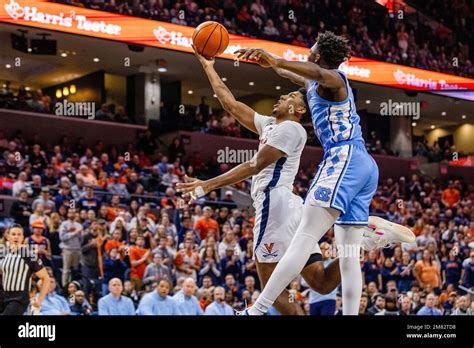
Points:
(114, 209)
(115, 242)
(188, 261)
(139, 259)
(450, 196)
(206, 223)
(427, 271)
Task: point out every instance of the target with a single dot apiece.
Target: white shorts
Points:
(277, 216)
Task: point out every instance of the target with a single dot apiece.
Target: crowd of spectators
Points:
(25, 99)
(117, 239)
(400, 37)
(204, 118)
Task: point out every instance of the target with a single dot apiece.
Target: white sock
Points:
(348, 240)
(314, 224)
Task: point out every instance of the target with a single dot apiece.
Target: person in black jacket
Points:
(114, 267)
(21, 210)
(90, 257)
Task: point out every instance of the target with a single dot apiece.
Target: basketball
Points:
(210, 39)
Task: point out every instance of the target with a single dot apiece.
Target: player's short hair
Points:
(307, 114)
(333, 49)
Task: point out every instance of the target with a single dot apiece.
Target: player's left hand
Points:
(258, 55)
(191, 184)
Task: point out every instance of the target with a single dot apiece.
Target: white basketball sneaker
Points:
(381, 233)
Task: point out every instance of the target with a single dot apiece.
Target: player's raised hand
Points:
(193, 186)
(204, 61)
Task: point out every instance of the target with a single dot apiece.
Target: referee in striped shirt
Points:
(18, 263)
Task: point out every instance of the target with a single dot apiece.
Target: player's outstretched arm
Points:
(306, 70)
(242, 113)
(296, 79)
(263, 158)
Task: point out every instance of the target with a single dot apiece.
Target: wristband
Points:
(199, 191)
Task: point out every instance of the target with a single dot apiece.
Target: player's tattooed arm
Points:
(240, 111)
(263, 158)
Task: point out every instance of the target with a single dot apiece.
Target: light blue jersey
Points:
(347, 177)
(334, 122)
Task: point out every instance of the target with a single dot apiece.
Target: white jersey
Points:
(287, 136)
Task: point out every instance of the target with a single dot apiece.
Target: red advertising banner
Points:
(112, 26)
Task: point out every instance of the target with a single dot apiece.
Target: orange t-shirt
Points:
(188, 257)
(111, 243)
(428, 274)
(113, 212)
(451, 196)
(203, 226)
(135, 254)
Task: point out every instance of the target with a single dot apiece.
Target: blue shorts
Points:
(346, 180)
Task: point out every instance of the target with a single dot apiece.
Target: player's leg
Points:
(348, 241)
(322, 279)
(278, 214)
(314, 224)
(318, 216)
(283, 303)
(356, 191)
(377, 234)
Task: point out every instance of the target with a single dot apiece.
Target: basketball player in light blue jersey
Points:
(347, 177)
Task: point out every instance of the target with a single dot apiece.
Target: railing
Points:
(209, 146)
(50, 127)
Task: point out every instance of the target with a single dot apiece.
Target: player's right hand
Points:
(204, 61)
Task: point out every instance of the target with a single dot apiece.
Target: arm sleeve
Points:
(103, 308)
(261, 121)
(145, 306)
(283, 137)
(63, 234)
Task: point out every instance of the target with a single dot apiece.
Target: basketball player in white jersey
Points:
(274, 167)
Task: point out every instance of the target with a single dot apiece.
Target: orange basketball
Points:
(210, 39)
